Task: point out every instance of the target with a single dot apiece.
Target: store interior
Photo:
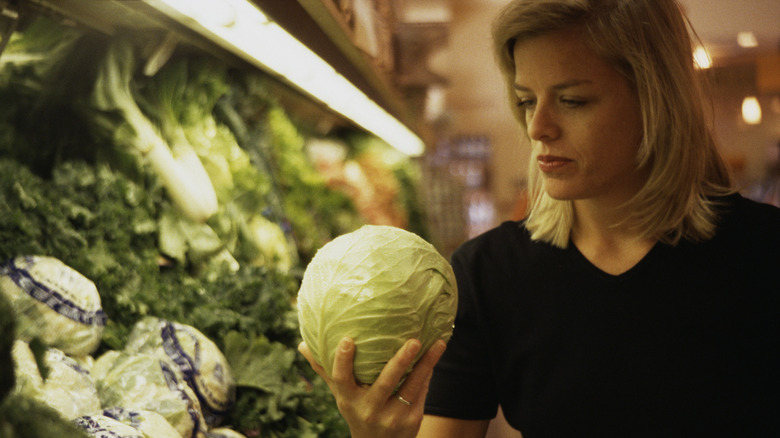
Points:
(213, 234)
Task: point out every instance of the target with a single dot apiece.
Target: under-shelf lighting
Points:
(240, 27)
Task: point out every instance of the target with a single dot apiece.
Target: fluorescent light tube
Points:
(240, 27)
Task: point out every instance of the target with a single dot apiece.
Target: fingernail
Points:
(413, 347)
(439, 347)
(345, 344)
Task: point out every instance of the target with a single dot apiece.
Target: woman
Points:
(639, 296)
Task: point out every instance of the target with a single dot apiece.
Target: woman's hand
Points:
(377, 411)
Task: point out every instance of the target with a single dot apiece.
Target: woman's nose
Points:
(542, 123)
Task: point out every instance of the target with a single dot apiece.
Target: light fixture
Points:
(701, 58)
(747, 40)
(241, 28)
(751, 110)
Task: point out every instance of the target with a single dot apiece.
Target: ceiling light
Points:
(751, 110)
(701, 58)
(244, 30)
(747, 40)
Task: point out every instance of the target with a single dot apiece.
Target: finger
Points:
(415, 386)
(304, 350)
(343, 376)
(395, 369)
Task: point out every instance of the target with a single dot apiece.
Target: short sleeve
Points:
(462, 385)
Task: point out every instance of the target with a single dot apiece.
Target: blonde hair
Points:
(650, 43)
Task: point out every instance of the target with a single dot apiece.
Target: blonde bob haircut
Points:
(650, 43)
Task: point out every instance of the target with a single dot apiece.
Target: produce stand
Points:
(189, 186)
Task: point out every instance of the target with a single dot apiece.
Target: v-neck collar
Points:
(579, 261)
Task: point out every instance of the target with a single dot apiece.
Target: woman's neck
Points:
(603, 235)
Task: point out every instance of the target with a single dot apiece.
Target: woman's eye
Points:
(525, 103)
(573, 103)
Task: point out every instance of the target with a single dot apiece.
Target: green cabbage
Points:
(381, 286)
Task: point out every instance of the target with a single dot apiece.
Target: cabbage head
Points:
(381, 286)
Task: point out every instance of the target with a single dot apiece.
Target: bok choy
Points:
(179, 168)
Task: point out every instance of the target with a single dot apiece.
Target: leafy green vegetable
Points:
(202, 365)
(313, 212)
(146, 382)
(24, 417)
(381, 286)
(119, 116)
(33, 68)
(53, 302)
(7, 336)
(100, 426)
(150, 424)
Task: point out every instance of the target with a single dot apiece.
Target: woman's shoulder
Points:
(749, 224)
(508, 240)
(741, 213)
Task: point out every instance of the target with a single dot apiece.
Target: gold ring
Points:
(404, 401)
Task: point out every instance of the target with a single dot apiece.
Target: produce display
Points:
(380, 285)
(155, 230)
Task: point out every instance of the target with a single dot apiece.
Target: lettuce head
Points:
(53, 302)
(381, 286)
(202, 365)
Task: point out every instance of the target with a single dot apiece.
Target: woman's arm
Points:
(379, 411)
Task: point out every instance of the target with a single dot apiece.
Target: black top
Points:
(686, 343)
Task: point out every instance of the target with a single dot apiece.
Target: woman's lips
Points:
(552, 163)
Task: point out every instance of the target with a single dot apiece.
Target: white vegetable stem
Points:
(181, 171)
(185, 179)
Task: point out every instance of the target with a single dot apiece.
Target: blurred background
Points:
(467, 104)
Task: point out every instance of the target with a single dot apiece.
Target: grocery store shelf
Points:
(313, 22)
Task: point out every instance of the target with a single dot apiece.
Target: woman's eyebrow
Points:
(561, 86)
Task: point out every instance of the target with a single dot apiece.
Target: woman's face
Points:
(583, 119)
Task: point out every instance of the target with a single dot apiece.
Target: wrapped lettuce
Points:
(7, 337)
(200, 361)
(29, 382)
(144, 382)
(67, 388)
(150, 424)
(54, 303)
(25, 417)
(224, 432)
(381, 286)
(99, 426)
